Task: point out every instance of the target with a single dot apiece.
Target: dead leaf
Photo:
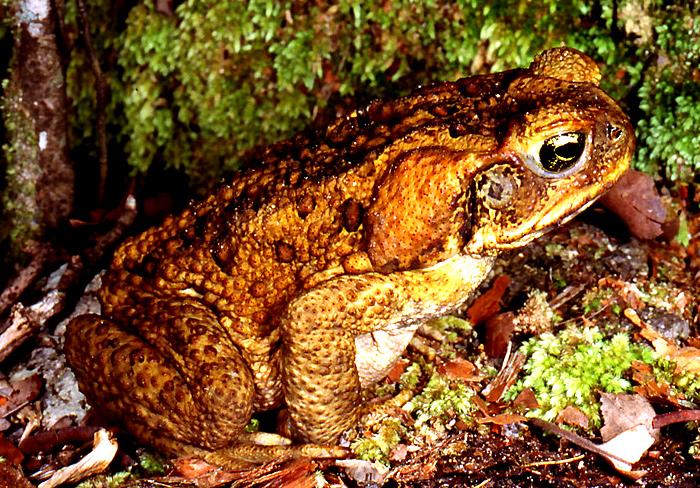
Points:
(399, 452)
(573, 416)
(458, 368)
(10, 452)
(192, 467)
(621, 412)
(397, 370)
(527, 399)
(104, 447)
(651, 387)
(621, 451)
(687, 359)
(490, 302)
(499, 330)
(503, 419)
(635, 200)
(627, 448)
(297, 473)
(505, 378)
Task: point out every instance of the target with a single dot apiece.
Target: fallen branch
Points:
(681, 416)
(25, 277)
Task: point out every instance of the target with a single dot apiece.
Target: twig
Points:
(25, 321)
(24, 278)
(680, 416)
(555, 462)
(101, 98)
(103, 451)
(576, 439)
(46, 441)
(512, 364)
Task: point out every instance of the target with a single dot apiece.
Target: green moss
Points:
(440, 403)
(596, 298)
(683, 235)
(574, 366)
(151, 464)
(410, 377)
(670, 96)
(20, 211)
(197, 89)
(377, 446)
(101, 481)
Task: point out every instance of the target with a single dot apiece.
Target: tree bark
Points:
(39, 191)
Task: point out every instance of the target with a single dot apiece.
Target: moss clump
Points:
(574, 366)
(670, 96)
(196, 88)
(595, 299)
(441, 402)
(378, 445)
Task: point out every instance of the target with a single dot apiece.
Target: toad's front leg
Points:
(347, 333)
(320, 378)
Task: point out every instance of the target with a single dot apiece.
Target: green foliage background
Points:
(197, 87)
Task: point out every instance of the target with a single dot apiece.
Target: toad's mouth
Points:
(546, 223)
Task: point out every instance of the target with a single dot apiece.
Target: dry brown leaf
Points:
(490, 302)
(104, 447)
(503, 419)
(621, 412)
(458, 368)
(397, 370)
(687, 359)
(505, 378)
(651, 387)
(499, 330)
(192, 467)
(635, 200)
(573, 416)
(10, 452)
(23, 392)
(526, 399)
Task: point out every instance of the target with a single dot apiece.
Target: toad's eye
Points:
(561, 152)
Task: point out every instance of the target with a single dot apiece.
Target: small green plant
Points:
(574, 366)
(595, 299)
(440, 403)
(378, 446)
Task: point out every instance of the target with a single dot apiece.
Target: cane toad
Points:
(303, 279)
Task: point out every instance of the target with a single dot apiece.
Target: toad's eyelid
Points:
(566, 138)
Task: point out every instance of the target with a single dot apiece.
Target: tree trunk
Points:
(39, 182)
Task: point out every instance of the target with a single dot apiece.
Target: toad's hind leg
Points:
(185, 385)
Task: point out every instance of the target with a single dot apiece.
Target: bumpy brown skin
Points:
(303, 279)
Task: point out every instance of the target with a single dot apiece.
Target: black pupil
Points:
(561, 152)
